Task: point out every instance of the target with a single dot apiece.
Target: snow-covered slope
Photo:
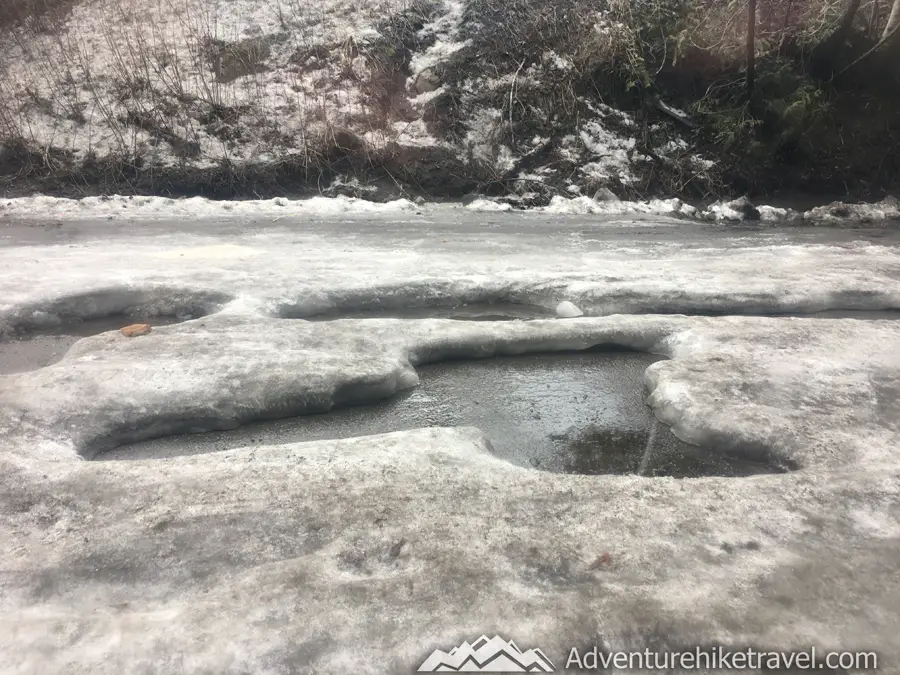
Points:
(198, 84)
(196, 80)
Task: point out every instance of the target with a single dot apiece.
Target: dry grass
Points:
(184, 86)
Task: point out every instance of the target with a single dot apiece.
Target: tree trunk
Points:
(891, 36)
(887, 49)
(751, 48)
(893, 22)
(874, 19)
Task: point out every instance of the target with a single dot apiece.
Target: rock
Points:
(426, 82)
(567, 310)
(606, 195)
(735, 210)
(136, 329)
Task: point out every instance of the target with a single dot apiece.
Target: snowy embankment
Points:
(118, 206)
(131, 207)
(203, 85)
(733, 211)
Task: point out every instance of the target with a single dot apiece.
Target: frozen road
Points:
(364, 554)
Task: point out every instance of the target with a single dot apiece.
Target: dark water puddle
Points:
(500, 311)
(859, 314)
(520, 312)
(31, 351)
(572, 413)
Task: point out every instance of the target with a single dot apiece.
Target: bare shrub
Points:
(231, 60)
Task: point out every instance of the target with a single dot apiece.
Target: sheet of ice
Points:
(406, 257)
(394, 545)
(364, 555)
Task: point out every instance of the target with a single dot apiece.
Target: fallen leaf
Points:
(601, 560)
(136, 329)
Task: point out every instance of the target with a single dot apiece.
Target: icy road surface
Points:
(363, 555)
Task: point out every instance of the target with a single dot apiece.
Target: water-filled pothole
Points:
(33, 350)
(859, 314)
(509, 311)
(494, 311)
(569, 412)
(37, 335)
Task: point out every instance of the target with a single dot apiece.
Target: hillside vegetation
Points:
(441, 98)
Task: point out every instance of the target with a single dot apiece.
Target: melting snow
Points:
(444, 30)
(587, 206)
(196, 207)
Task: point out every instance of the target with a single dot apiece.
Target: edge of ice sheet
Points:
(739, 384)
(133, 207)
(117, 206)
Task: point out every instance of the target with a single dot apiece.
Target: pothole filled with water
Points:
(33, 350)
(859, 314)
(510, 311)
(569, 412)
(498, 311)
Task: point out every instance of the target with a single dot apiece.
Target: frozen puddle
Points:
(522, 312)
(572, 413)
(35, 350)
(499, 311)
(859, 314)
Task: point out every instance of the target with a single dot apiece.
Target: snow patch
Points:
(612, 153)
(444, 30)
(586, 206)
(774, 214)
(481, 140)
(886, 209)
(118, 206)
(489, 205)
(568, 310)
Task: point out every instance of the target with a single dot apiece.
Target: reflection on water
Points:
(580, 412)
(645, 452)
